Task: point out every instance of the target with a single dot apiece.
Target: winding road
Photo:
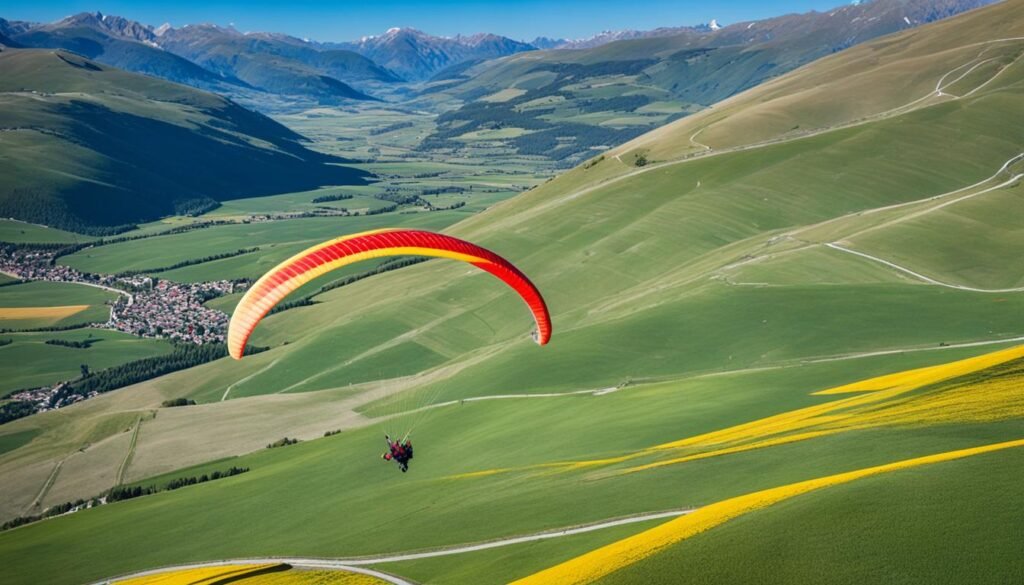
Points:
(356, 565)
(920, 276)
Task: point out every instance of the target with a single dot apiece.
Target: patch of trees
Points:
(620, 103)
(84, 344)
(380, 210)
(282, 443)
(50, 328)
(641, 160)
(391, 128)
(195, 207)
(175, 402)
(37, 206)
(397, 198)
(185, 355)
(450, 189)
(121, 493)
(15, 409)
(386, 266)
(303, 302)
(331, 433)
(456, 205)
(326, 198)
(191, 262)
(49, 513)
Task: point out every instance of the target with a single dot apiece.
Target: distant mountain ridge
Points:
(569, 103)
(206, 56)
(274, 62)
(416, 55)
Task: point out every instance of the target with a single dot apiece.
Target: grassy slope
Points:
(89, 139)
(956, 522)
(346, 480)
(965, 244)
(55, 294)
(20, 232)
(620, 264)
(617, 243)
(30, 362)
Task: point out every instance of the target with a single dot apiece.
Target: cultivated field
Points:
(52, 304)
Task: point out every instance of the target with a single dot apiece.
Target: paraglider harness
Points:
(398, 451)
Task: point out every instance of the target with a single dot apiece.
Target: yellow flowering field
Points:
(201, 575)
(593, 565)
(52, 313)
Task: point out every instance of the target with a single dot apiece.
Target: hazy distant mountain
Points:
(545, 43)
(119, 42)
(274, 62)
(84, 145)
(207, 56)
(416, 55)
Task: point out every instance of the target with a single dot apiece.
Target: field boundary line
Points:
(50, 480)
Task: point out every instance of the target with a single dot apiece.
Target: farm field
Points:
(18, 232)
(28, 361)
(32, 305)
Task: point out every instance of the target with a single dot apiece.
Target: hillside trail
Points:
(712, 152)
(356, 564)
(920, 276)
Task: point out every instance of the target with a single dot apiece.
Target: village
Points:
(146, 307)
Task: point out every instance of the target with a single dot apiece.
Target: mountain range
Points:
(225, 60)
(569, 102)
(416, 55)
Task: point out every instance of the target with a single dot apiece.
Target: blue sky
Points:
(337, 20)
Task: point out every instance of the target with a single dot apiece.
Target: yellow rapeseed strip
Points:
(598, 563)
(197, 576)
(888, 400)
(932, 374)
(54, 313)
(324, 577)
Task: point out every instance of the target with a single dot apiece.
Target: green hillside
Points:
(90, 147)
(973, 503)
(698, 311)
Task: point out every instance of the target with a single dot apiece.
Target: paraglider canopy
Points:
(276, 284)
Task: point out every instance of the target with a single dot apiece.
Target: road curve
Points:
(356, 565)
(920, 276)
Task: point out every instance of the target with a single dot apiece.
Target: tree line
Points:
(84, 344)
(119, 494)
(190, 262)
(326, 198)
(184, 355)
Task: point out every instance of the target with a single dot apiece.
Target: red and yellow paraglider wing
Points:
(276, 284)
